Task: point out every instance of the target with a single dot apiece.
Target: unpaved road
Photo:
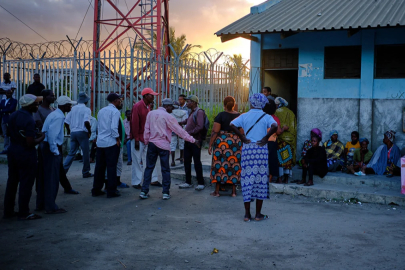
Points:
(127, 233)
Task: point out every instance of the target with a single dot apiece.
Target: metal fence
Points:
(209, 75)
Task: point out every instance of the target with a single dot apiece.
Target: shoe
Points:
(72, 191)
(97, 193)
(129, 163)
(137, 186)
(113, 195)
(166, 196)
(200, 187)
(156, 184)
(123, 185)
(88, 175)
(359, 173)
(78, 157)
(185, 185)
(143, 195)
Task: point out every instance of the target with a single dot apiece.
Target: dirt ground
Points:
(181, 233)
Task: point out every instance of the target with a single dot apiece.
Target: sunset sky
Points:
(54, 19)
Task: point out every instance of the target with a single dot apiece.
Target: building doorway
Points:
(280, 73)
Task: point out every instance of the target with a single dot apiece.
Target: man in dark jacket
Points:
(36, 87)
(7, 107)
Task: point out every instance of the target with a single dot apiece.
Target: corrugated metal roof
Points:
(310, 15)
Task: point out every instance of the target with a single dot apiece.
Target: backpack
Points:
(206, 123)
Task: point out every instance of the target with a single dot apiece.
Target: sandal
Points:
(264, 217)
(247, 218)
(30, 217)
(58, 211)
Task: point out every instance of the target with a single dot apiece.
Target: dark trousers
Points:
(22, 166)
(191, 151)
(93, 151)
(273, 159)
(39, 183)
(151, 158)
(107, 158)
(52, 167)
(312, 170)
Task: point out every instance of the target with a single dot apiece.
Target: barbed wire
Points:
(64, 49)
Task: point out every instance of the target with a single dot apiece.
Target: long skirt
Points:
(225, 168)
(254, 176)
(285, 155)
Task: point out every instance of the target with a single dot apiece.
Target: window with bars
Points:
(389, 61)
(342, 62)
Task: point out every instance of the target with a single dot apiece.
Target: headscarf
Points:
(258, 101)
(333, 132)
(361, 140)
(317, 133)
(281, 102)
(390, 135)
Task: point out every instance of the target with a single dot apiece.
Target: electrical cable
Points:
(83, 20)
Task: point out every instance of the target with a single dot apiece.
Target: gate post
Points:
(74, 88)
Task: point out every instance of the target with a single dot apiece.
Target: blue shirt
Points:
(53, 127)
(247, 120)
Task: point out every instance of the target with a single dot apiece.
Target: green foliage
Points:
(211, 113)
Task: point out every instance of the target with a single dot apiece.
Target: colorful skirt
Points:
(285, 155)
(254, 177)
(225, 168)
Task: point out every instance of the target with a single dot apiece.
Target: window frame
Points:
(340, 78)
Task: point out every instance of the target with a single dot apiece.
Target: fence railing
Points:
(128, 72)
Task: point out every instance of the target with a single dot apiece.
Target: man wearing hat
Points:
(22, 158)
(108, 147)
(52, 154)
(139, 112)
(78, 122)
(157, 136)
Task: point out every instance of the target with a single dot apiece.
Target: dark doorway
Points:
(280, 73)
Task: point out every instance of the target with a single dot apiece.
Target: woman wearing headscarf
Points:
(385, 158)
(254, 162)
(361, 156)
(226, 148)
(287, 140)
(334, 150)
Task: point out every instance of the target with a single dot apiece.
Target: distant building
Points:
(339, 63)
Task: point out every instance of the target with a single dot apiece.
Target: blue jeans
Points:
(80, 138)
(129, 151)
(151, 157)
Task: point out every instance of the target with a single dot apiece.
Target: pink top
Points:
(159, 127)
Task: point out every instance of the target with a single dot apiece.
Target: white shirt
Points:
(77, 116)
(108, 119)
(248, 119)
(7, 86)
(93, 124)
(53, 127)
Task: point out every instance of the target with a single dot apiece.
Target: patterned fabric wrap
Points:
(226, 168)
(281, 102)
(390, 135)
(254, 176)
(258, 101)
(285, 155)
(307, 145)
(333, 149)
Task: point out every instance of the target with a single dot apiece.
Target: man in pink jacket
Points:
(157, 135)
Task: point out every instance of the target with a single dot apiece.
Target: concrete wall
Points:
(368, 105)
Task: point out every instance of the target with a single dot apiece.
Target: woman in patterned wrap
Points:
(255, 176)
(226, 148)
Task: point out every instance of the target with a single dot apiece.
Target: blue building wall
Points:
(368, 105)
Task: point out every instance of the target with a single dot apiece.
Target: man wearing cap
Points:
(108, 147)
(139, 112)
(158, 132)
(7, 107)
(194, 127)
(51, 150)
(78, 122)
(22, 158)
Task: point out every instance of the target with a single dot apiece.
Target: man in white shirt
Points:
(52, 153)
(108, 147)
(7, 85)
(78, 122)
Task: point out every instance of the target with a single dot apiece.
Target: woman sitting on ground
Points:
(314, 163)
(227, 149)
(308, 143)
(361, 157)
(334, 150)
(385, 158)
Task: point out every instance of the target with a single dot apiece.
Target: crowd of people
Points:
(250, 149)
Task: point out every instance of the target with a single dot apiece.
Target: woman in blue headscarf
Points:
(254, 162)
(385, 158)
